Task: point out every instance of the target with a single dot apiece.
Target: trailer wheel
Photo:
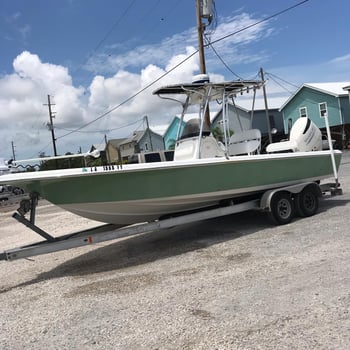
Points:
(281, 208)
(306, 202)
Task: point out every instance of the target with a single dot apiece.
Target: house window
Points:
(290, 124)
(146, 146)
(323, 109)
(303, 112)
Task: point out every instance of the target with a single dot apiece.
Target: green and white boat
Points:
(203, 173)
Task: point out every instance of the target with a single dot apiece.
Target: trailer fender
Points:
(265, 201)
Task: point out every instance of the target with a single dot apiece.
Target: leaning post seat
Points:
(282, 147)
(187, 147)
(245, 142)
(305, 136)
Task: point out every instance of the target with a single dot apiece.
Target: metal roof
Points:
(335, 89)
(98, 146)
(259, 105)
(135, 137)
(116, 142)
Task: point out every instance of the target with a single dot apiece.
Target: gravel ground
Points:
(231, 283)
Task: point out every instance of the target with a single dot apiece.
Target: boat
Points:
(204, 172)
(201, 173)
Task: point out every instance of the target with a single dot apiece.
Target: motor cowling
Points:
(306, 134)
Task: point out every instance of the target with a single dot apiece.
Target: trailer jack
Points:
(29, 205)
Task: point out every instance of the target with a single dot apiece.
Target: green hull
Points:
(147, 191)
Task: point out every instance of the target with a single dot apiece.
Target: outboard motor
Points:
(307, 135)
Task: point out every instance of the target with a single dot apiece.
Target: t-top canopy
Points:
(216, 89)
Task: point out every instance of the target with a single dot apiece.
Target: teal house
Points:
(315, 101)
(171, 133)
(347, 88)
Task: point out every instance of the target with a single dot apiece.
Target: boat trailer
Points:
(281, 205)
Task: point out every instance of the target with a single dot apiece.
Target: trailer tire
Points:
(306, 202)
(281, 208)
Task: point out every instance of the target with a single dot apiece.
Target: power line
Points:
(114, 26)
(259, 22)
(277, 77)
(109, 32)
(171, 10)
(132, 96)
(279, 84)
(221, 59)
(210, 44)
(146, 33)
(42, 150)
(180, 63)
(99, 131)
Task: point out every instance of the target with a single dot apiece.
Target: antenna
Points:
(203, 6)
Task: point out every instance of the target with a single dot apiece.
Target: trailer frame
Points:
(109, 232)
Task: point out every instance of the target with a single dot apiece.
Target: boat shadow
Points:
(330, 202)
(162, 244)
(153, 246)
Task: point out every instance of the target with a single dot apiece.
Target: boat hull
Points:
(145, 192)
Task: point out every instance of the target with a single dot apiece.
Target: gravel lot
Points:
(231, 283)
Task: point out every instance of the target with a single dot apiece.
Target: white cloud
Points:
(241, 30)
(29, 66)
(48, 79)
(23, 30)
(234, 48)
(341, 59)
(23, 94)
(108, 93)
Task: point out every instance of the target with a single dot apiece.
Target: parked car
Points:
(11, 189)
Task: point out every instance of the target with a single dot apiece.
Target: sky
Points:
(93, 56)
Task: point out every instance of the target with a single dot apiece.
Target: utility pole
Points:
(50, 124)
(13, 151)
(149, 132)
(200, 30)
(266, 106)
(107, 151)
